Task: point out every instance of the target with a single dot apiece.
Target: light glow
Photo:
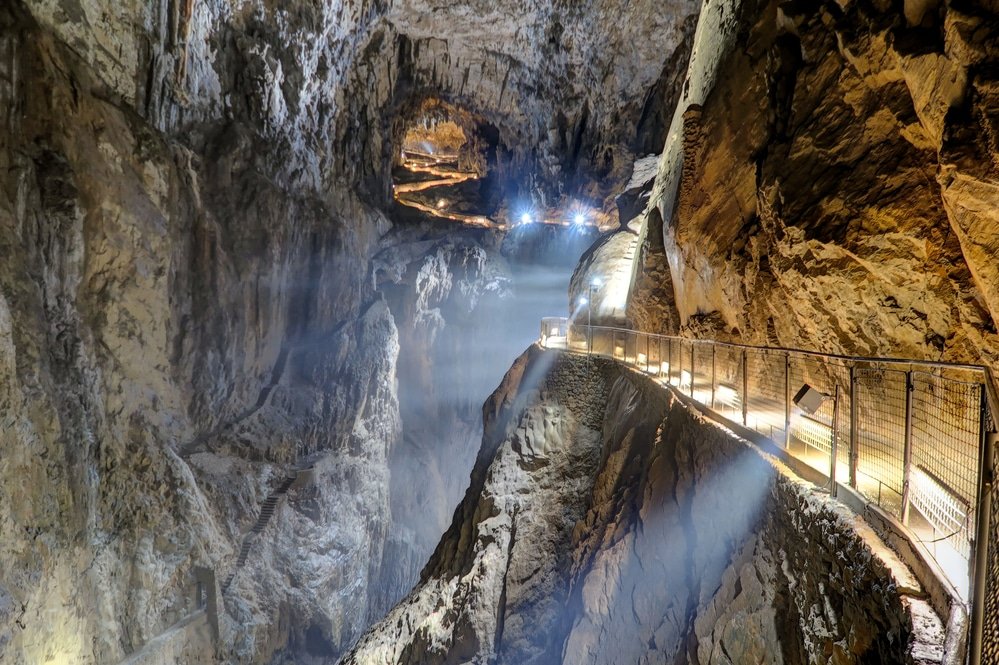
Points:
(663, 368)
(813, 433)
(684, 378)
(526, 218)
(940, 507)
(579, 219)
(727, 395)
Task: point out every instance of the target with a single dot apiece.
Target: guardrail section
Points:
(906, 435)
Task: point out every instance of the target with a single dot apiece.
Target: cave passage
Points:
(268, 271)
(444, 170)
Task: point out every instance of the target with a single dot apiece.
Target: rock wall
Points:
(607, 523)
(573, 90)
(445, 288)
(176, 328)
(835, 182)
(187, 301)
(467, 301)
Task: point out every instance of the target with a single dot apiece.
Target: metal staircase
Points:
(266, 513)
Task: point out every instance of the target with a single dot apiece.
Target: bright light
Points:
(596, 283)
(813, 433)
(684, 378)
(580, 219)
(943, 510)
(727, 395)
(441, 204)
(526, 218)
(664, 367)
(583, 301)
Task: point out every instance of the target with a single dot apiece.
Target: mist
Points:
(469, 302)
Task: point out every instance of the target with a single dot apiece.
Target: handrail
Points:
(817, 354)
(987, 420)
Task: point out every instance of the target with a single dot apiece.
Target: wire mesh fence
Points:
(945, 438)
(729, 383)
(905, 435)
(702, 379)
(766, 393)
(988, 630)
(881, 409)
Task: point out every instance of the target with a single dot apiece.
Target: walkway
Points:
(901, 438)
(267, 510)
(448, 174)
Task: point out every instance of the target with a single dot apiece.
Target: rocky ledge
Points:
(608, 523)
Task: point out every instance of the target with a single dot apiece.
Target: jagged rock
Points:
(837, 185)
(582, 539)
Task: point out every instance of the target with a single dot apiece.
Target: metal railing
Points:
(908, 436)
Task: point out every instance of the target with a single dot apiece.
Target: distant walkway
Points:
(267, 510)
(445, 167)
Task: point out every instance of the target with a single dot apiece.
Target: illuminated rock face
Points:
(570, 88)
(175, 326)
(837, 188)
(605, 523)
(187, 304)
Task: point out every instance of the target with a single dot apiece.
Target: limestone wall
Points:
(830, 187)
(607, 523)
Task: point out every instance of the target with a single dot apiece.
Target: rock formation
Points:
(582, 539)
(836, 184)
(188, 309)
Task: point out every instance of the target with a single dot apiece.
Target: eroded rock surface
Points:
(186, 309)
(836, 185)
(607, 523)
(178, 325)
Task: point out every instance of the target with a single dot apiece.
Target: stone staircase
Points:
(266, 513)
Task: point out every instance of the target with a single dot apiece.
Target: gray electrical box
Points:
(809, 399)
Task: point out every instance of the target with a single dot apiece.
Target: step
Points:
(267, 510)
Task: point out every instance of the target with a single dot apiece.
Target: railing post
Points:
(983, 518)
(647, 354)
(907, 448)
(787, 399)
(854, 443)
(713, 374)
(834, 443)
(693, 351)
(745, 388)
